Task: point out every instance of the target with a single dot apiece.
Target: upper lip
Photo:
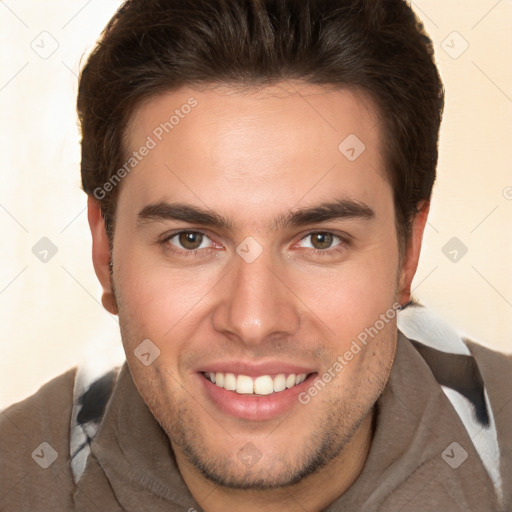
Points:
(255, 369)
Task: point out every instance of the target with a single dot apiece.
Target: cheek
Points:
(352, 297)
(156, 299)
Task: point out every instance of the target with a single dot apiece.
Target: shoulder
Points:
(476, 379)
(44, 411)
(34, 445)
(431, 333)
(496, 370)
(488, 358)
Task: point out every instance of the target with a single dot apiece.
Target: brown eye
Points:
(321, 240)
(190, 240)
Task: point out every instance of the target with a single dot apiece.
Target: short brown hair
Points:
(377, 46)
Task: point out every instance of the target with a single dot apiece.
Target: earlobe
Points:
(101, 255)
(412, 253)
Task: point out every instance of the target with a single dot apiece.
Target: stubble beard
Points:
(335, 427)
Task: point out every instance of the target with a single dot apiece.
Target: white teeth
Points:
(229, 382)
(244, 385)
(290, 381)
(262, 385)
(280, 382)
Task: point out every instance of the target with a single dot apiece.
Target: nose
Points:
(255, 304)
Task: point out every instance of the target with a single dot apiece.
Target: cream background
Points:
(50, 311)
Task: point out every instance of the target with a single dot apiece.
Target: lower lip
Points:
(254, 407)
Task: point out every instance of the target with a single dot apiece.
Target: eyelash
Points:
(343, 242)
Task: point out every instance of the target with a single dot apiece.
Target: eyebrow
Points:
(328, 211)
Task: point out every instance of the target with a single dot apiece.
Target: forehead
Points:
(280, 144)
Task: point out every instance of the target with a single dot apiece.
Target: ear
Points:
(412, 253)
(101, 253)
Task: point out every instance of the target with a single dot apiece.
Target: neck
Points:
(313, 493)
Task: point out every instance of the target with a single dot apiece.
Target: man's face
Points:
(266, 295)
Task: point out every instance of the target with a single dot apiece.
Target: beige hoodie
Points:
(413, 464)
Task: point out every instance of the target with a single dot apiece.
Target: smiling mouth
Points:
(261, 385)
